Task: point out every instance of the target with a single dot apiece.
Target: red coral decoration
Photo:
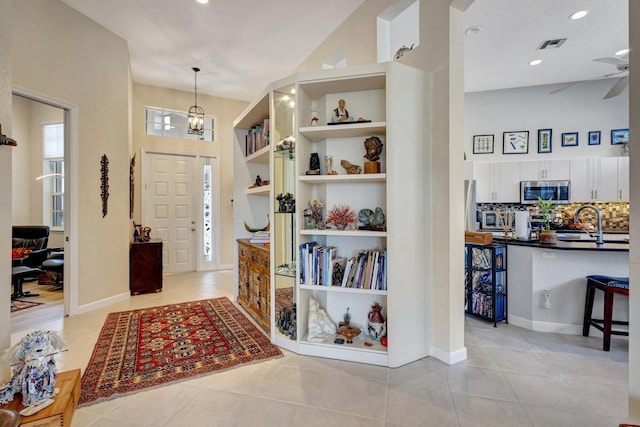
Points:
(341, 216)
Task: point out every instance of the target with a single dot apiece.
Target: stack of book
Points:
(257, 137)
(260, 237)
(367, 270)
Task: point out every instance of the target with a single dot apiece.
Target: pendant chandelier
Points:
(196, 113)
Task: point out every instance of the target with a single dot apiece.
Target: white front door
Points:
(170, 201)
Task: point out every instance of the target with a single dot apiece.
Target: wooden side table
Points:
(60, 412)
(145, 267)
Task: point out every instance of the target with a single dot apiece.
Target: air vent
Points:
(553, 43)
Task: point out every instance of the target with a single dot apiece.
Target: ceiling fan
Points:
(622, 65)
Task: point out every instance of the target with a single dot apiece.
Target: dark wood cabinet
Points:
(145, 267)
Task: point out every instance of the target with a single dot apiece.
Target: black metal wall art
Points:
(104, 186)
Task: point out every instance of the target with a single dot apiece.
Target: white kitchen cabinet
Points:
(534, 170)
(594, 180)
(623, 179)
(497, 182)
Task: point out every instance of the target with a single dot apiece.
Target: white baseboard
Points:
(558, 328)
(103, 303)
(450, 358)
(226, 267)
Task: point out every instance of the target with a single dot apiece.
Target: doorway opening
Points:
(41, 196)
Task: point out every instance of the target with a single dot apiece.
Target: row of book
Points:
(320, 265)
(257, 138)
(260, 237)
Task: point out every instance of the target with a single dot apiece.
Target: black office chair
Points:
(35, 239)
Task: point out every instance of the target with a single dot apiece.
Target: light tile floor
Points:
(512, 377)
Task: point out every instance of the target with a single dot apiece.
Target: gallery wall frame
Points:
(483, 144)
(570, 139)
(515, 142)
(544, 140)
(594, 137)
(619, 136)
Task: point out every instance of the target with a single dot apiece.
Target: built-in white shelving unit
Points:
(393, 99)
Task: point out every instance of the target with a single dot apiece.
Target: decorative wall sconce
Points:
(196, 113)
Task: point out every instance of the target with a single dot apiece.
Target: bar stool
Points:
(610, 286)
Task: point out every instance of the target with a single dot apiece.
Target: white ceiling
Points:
(242, 45)
(498, 56)
(239, 45)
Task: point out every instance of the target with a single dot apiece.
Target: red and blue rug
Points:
(158, 346)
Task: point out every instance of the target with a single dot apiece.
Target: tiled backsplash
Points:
(615, 215)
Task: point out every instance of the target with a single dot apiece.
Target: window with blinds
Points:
(53, 175)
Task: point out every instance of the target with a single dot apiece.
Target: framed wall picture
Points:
(544, 140)
(619, 136)
(482, 144)
(570, 139)
(594, 137)
(515, 142)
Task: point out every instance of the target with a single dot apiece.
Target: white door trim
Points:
(200, 219)
(71, 194)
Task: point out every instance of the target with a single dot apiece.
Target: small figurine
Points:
(285, 143)
(314, 164)
(341, 114)
(400, 52)
(373, 147)
(350, 168)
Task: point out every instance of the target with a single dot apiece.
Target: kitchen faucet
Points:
(599, 240)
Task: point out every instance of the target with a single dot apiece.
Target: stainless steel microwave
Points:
(559, 191)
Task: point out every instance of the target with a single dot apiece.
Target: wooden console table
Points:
(60, 412)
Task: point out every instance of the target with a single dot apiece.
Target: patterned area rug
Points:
(17, 305)
(157, 346)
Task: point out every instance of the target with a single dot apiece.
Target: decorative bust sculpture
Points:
(373, 147)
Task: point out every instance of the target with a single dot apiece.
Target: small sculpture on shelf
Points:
(314, 164)
(286, 322)
(376, 324)
(316, 209)
(341, 115)
(315, 115)
(259, 182)
(346, 330)
(321, 328)
(328, 165)
(373, 147)
(372, 220)
(286, 142)
(350, 168)
(286, 202)
(341, 216)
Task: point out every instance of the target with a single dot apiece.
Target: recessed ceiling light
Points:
(535, 62)
(578, 15)
(621, 52)
(203, 1)
(472, 31)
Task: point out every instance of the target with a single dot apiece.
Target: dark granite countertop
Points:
(580, 245)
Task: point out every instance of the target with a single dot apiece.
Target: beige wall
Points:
(357, 39)
(55, 55)
(225, 110)
(6, 19)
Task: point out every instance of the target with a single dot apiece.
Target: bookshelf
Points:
(486, 281)
(393, 98)
(251, 158)
(385, 94)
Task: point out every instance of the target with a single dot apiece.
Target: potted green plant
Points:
(547, 235)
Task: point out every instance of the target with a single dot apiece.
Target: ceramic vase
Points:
(376, 323)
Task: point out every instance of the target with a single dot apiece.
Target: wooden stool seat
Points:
(610, 285)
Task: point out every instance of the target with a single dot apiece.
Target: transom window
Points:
(163, 122)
